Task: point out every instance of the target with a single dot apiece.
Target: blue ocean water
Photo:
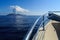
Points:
(16, 27)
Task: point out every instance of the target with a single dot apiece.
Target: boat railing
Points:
(42, 24)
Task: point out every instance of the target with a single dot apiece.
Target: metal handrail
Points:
(30, 32)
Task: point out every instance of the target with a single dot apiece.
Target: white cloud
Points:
(19, 9)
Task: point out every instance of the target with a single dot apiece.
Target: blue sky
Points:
(35, 6)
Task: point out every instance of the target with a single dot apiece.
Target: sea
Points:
(16, 26)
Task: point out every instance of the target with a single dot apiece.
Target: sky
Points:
(31, 7)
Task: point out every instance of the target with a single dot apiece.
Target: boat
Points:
(52, 28)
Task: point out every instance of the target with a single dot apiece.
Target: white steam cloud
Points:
(19, 9)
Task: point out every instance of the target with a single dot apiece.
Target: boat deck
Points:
(52, 31)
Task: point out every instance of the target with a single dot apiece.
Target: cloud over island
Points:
(19, 9)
